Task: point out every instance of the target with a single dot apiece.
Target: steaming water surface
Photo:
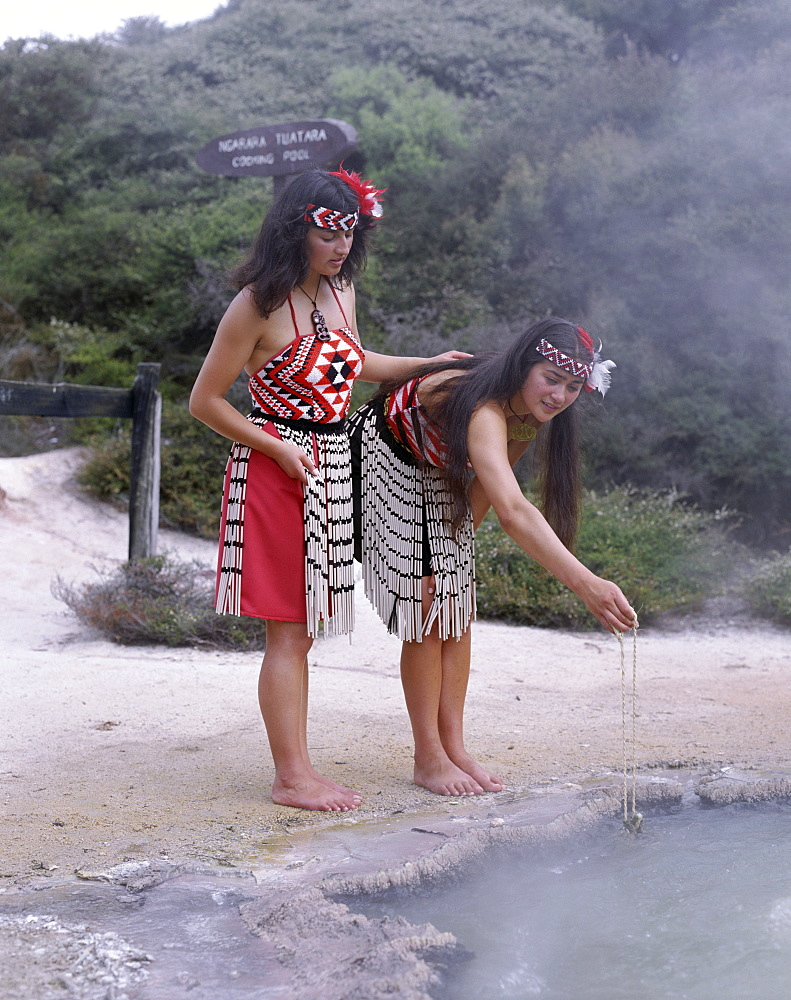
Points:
(190, 927)
(695, 907)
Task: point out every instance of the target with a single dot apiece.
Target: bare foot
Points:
(488, 782)
(441, 776)
(335, 786)
(310, 793)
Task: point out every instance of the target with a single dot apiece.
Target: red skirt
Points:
(285, 547)
(271, 569)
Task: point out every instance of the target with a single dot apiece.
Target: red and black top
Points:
(310, 379)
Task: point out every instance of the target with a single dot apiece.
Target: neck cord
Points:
(317, 316)
(312, 297)
(522, 431)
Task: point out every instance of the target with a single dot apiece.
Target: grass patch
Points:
(662, 553)
(159, 601)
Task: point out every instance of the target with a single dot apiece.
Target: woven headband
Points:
(328, 218)
(367, 197)
(596, 374)
(570, 365)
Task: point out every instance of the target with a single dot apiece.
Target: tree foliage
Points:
(623, 163)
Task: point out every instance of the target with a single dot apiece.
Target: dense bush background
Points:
(663, 553)
(623, 163)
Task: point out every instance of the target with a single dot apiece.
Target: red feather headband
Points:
(367, 194)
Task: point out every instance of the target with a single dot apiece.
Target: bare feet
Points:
(488, 782)
(440, 775)
(335, 786)
(312, 793)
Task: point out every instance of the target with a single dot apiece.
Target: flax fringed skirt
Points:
(402, 508)
(286, 549)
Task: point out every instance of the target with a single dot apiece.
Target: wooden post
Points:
(62, 399)
(144, 469)
(142, 403)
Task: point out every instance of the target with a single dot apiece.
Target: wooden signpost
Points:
(279, 151)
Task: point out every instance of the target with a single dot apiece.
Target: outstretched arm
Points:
(381, 367)
(487, 443)
(479, 501)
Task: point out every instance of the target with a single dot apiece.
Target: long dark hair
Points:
(497, 376)
(276, 262)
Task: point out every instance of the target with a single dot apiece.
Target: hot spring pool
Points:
(695, 907)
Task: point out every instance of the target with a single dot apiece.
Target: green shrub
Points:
(661, 553)
(57, 352)
(767, 590)
(192, 463)
(159, 601)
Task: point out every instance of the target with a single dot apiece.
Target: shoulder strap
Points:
(293, 314)
(339, 303)
(412, 394)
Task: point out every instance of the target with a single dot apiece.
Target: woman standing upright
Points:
(286, 530)
(431, 454)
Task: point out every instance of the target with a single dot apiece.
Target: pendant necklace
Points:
(521, 431)
(317, 316)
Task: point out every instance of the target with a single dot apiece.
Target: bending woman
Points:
(430, 456)
(286, 530)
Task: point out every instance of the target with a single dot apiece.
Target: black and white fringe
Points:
(394, 494)
(329, 560)
(229, 589)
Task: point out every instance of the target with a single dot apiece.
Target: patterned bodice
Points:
(411, 425)
(310, 379)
